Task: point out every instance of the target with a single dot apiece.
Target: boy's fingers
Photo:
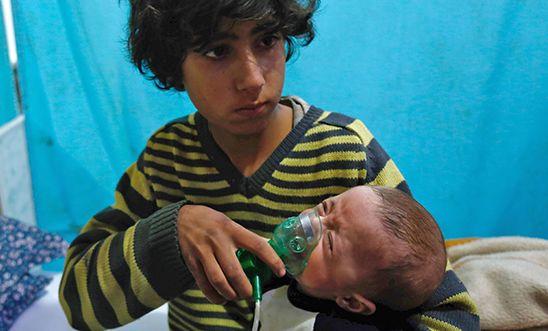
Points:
(260, 248)
(217, 280)
(195, 266)
(234, 273)
(209, 291)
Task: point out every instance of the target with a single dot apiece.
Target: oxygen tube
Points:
(293, 240)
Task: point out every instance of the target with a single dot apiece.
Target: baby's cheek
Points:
(314, 268)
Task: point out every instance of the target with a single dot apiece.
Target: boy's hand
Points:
(208, 241)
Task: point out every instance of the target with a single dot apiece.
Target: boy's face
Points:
(237, 80)
(351, 248)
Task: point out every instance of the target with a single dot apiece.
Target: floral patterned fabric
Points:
(22, 248)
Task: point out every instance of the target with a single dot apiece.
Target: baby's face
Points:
(350, 249)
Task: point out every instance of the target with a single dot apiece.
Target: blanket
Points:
(508, 279)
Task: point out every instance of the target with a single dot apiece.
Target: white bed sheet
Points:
(46, 314)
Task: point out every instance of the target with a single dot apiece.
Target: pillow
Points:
(19, 297)
(22, 248)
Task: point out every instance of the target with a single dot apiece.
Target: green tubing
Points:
(257, 289)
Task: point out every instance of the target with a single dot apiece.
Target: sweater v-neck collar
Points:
(249, 186)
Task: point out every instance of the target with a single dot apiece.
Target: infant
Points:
(379, 246)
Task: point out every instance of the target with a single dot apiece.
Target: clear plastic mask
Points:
(295, 239)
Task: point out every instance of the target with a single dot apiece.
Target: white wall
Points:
(16, 199)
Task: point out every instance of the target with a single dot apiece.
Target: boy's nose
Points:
(250, 74)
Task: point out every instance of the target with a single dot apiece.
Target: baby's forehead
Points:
(357, 191)
(360, 200)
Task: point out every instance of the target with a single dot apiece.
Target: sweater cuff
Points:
(164, 264)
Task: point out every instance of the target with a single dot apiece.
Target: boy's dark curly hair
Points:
(161, 32)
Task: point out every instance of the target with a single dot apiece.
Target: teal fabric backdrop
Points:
(8, 106)
(456, 91)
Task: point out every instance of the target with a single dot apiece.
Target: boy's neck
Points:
(248, 153)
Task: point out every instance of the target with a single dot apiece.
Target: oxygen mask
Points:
(295, 239)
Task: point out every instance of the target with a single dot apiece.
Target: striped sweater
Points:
(127, 261)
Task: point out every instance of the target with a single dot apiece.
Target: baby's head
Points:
(379, 246)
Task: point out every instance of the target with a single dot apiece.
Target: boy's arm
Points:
(126, 260)
(380, 169)
(449, 308)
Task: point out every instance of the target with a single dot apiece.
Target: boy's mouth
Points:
(252, 110)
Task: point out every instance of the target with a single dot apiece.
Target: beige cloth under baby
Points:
(508, 279)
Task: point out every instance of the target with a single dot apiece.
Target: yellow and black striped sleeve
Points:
(126, 261)
(380, 169)
(450, 308)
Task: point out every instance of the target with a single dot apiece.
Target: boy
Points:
(218, 179)
(380, 249)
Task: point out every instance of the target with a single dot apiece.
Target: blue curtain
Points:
(8, 107)
(456, 91)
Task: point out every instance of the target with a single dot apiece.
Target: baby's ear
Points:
(356, 303)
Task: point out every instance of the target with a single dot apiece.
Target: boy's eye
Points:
(216, 52)
(270, 40)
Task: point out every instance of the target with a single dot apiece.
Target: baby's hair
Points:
(418, 245)
(162, 32)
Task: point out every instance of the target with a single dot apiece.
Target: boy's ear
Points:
(356, 303)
